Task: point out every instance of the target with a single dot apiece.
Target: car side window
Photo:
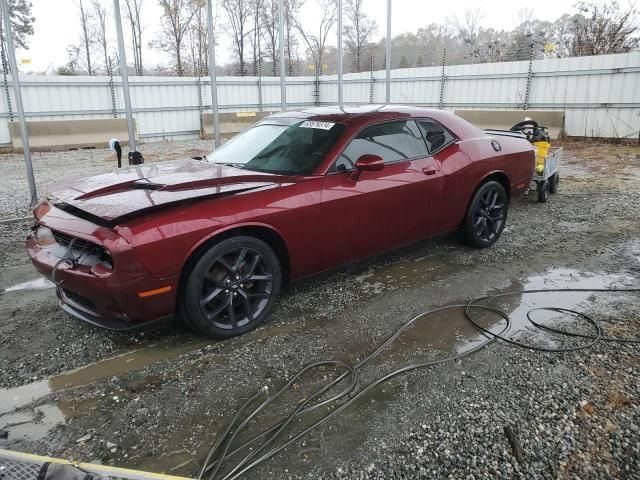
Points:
(435, 135)
(393, 141)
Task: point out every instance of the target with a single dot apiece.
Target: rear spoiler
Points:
(505, 133)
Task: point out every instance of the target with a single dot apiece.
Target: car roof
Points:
(360, 115)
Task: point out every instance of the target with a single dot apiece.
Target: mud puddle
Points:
(33, 424)
(413, 272)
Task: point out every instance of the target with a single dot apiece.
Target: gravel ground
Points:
(157, 399)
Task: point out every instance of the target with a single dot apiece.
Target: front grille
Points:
(65, 240)
(79, 299)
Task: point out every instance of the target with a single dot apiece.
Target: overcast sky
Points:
(57, 23)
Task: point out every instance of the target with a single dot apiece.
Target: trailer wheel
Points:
(544, 190)
(553, 183)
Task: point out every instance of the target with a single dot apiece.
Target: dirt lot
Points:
(156, 400)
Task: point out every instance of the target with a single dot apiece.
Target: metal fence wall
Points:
(600, 95)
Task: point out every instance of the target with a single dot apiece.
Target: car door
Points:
(445, 155)
(381, 209)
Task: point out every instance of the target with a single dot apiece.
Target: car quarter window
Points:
(393, 141)
(435, 135)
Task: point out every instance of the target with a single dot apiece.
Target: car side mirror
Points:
(367, 163)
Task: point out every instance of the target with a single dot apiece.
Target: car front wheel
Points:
(487, 215)
(231, 288)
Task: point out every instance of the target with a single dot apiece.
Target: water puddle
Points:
(448, 332)
(33, 424)
(407, 273)
(14, 398)
(37, 284)
(30, 426)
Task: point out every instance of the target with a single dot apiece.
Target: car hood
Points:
(138, 189)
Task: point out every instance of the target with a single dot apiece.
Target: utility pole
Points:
(15, 79)
(125, 75)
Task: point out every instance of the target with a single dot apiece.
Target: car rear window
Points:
(283, 146)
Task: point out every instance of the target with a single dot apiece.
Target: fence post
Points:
(112, 88)
(259, 83)
(6, 85)
(200, 101)
(442, 80)
(316, 91)
(525, 106)
(371, 80)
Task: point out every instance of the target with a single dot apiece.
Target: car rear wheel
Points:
(487, 215)
(232, 287)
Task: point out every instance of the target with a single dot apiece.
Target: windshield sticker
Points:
(320, 125)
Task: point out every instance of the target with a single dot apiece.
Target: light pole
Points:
(125, 75)
(283, 70)
(212, 75)
(388, 50)
(15, 80)
(340, 99)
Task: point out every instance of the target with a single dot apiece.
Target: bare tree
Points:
(317, 42)
(269, 19)
(291, 12)
(238, 12)
(605, 28)
(100, 14)
(87, 39)
(358, 31)
(197, 39)
(133, 14)
(175, 21)
(256, 33)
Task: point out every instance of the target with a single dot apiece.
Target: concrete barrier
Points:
(69, 134)
(505, 119)
(230, 123)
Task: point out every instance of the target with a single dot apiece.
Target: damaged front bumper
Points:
(98, 278)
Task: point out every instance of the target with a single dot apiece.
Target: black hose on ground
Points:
(273, 432)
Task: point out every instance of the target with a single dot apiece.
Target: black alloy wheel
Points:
(232, 287)
(487, 215)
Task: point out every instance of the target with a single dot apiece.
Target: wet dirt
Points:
(163, 396)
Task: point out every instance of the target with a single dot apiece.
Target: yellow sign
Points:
(312, 66)
(549, 48)
(25, 61)
(246, 114)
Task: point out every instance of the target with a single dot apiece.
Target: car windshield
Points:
(287, 146)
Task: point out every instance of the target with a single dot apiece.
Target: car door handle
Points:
(429, 171)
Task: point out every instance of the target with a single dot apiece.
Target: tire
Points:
(231, 288)
(554, 181)
(544, 190)
(486, 216)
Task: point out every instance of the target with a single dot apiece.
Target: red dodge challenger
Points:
(214, 239)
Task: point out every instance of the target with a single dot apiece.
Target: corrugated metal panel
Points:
(600, 95)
